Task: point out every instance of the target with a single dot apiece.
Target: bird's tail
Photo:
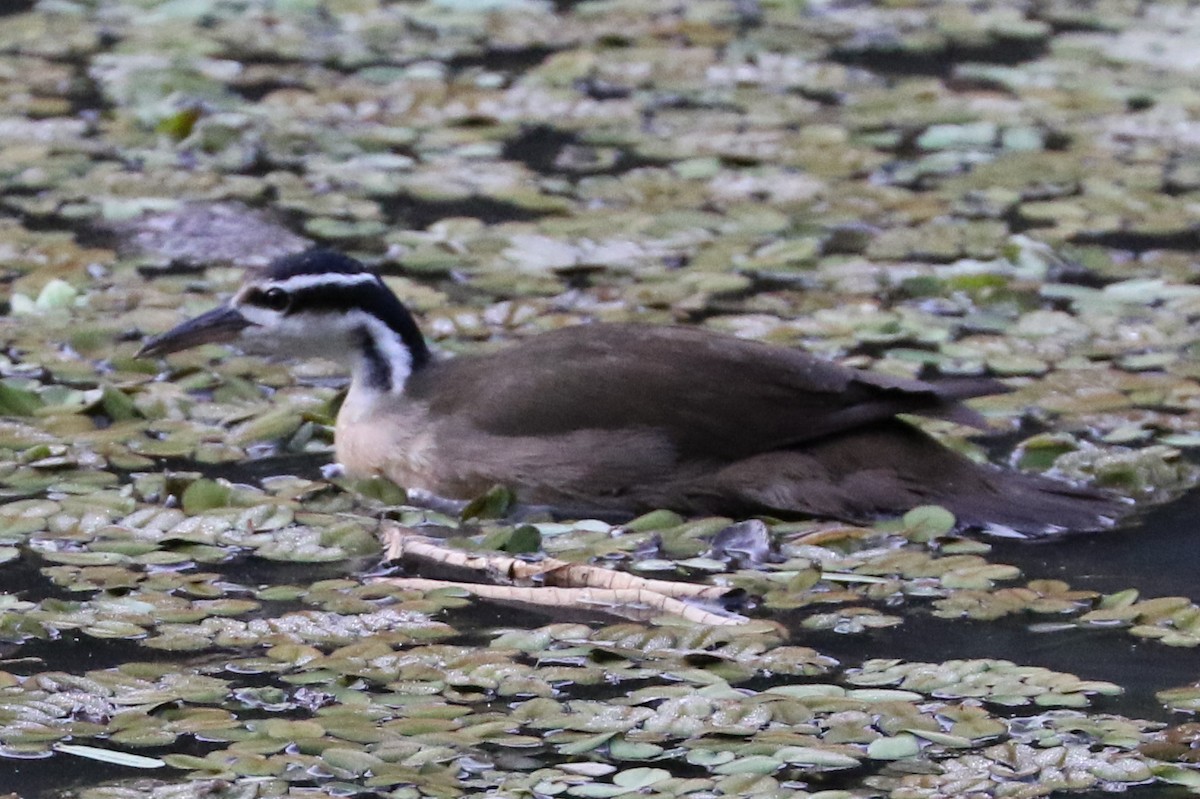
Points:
(890, 467)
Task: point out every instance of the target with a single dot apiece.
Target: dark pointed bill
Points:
(218, 325)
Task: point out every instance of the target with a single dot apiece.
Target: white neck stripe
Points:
(388, 344)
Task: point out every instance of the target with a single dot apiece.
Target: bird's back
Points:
(713, 396)
(627, 418)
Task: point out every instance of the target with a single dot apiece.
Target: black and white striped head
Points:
(315, 304)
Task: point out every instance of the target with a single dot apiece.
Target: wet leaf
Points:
(928, 522)
(491, 505)
(17, 401)
(898, 748)
(204, 495)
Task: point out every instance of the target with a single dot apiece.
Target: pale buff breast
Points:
(372, 437)
(395, 438)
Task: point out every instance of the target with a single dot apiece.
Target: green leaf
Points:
(491, 505)
(898, 747)
(18, 401)
(1177, 776)
(354, 761)
(927, 522)
(382, 490)
(585, 745)
(117, 405)
(1039, 452)
(205, 494)
(811, 756)
(754, 764)
(637, 778)
(57, 293)
(523, 540)
(194, 763)
(179, 125)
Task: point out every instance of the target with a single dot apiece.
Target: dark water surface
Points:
(1159, 554)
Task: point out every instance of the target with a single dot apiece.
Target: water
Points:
(1155, 554)
(1159, 554)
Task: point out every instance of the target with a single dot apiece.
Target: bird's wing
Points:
(711, 396)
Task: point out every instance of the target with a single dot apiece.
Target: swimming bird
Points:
(618, 419)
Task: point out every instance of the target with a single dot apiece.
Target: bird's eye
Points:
(275, 299)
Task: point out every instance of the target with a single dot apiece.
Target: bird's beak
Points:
(218, 325)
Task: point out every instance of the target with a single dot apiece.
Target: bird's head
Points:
(315, 304)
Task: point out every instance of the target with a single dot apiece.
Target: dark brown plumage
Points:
(619, 419)
(713, 424)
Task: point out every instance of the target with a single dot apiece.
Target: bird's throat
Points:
(384, 360)
(375, 371)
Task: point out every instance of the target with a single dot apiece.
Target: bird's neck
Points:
(389, 347)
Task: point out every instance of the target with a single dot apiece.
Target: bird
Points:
(615, 420)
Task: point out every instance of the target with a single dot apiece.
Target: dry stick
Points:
(608, 599)
(586, 586)
(398, 543)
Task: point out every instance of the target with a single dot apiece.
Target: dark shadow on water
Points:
(11, 7)
(307, 465)
(23, 578)
(255, 571)
(1159, 554)
(1136, 792)
(68, 774)
(541, 148)
(1184, 240)
(76, 653)
(501, 59)
(405, 210)
(29, 779)
(887, 57)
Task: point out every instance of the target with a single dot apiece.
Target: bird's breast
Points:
(420, 446)
(399, 439)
